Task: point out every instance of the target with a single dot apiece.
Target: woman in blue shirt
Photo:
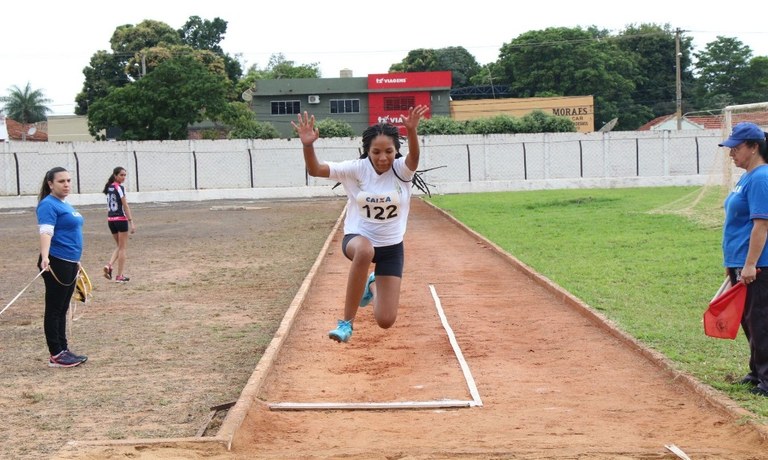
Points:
(61, 246)
(745, 254)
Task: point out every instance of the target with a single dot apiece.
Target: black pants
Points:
(57, 297)
(755, 324)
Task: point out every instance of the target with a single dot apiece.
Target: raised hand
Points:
(411, 121)
(306, 129)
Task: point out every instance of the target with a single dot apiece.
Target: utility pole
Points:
(678, 83)
(490, 78)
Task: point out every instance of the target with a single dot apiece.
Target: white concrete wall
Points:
(255, 169)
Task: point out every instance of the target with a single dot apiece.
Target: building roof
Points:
(301, 86)
(16, 131)
(709, 121)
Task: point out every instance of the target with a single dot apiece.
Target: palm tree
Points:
(25, 106)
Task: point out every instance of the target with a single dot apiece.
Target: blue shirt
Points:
(748, 200)
(67, 241)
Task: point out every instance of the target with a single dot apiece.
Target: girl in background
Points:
(119, 219)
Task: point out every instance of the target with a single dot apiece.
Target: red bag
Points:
(723, 317)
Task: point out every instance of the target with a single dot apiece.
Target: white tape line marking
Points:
(370, 405)
(476, 402)
(459, 355)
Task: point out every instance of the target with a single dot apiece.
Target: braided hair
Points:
(391, 131)
(381, 129)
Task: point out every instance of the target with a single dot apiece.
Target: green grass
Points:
(647, 258)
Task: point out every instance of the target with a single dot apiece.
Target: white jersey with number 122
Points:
(378, 205)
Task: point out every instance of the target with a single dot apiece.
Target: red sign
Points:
(389, 105)
(410, 80)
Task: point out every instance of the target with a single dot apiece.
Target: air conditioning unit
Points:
(314, 99)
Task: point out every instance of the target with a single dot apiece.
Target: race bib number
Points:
(377, 207)
(112, 202)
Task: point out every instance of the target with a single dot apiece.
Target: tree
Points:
(418, 60)
(456, 59)
(129, 39)
(655, 91)
(484, 84)
(279, 67)
(572, 62)
(244, 125)
(104, 73)
(756, 81)
(202, 34)
(161, 105)
(723, 71)
(138, 50)
(124, 64)
(155, 56)
(25, 105)
(460, 62)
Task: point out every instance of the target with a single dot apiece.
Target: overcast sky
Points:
(48, 43)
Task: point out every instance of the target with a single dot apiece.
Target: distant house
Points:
(3, 129)
(580, 109)
(68, 128)
(669, 122)
(58, 128)
(357, 101)
(32, 132)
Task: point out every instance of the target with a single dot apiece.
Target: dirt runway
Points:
(554, 382)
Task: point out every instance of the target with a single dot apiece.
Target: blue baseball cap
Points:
(743, 132)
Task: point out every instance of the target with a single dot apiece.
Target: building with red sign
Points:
(358, 101)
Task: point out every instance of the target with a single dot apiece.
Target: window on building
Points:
(399, 103)
(286, 107)
(345, 105)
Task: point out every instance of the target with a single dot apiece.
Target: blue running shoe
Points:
(82, 358)
(343, 331)
(368, 295)
(65, 359)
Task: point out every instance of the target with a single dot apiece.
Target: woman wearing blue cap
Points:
(745, 254)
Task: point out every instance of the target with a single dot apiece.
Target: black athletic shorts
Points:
(118, 226)
(389, 260)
